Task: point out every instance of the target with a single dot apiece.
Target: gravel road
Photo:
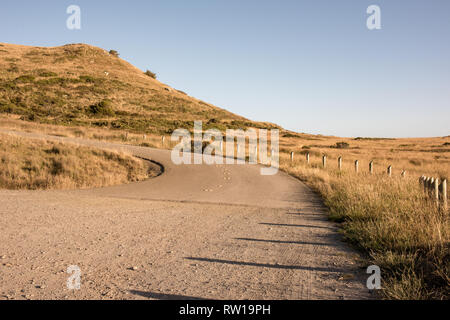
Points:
(195, 232)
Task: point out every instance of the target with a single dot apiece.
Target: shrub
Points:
(57, 167)
(46, 74)
(150, 74)
(290, 135)
(53, 150)
(114, 53)
(415, 162)
(25, 79)
(13, 68)
(87, 79)
(11, 108)
(342, 145)
(102, 108)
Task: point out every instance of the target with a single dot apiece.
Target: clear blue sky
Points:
(310, 66)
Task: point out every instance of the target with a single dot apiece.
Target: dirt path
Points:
(198, 231)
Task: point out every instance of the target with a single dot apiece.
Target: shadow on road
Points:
(163, 296)
(295, 225)
(264, 265)
(288, 242)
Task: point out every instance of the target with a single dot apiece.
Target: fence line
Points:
(431, 185)
(435, 190)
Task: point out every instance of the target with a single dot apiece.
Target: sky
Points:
(309, 66)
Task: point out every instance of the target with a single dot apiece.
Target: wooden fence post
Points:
(436, 191)
(444, 193)
(340, 163)
(356, 166)
(431, 186)
(389, 171)
(307, 157)
(292, 156)
(371, 167)
(324, 161)
(429, 181)
(403, 173)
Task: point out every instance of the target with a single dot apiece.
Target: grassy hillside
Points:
(81, 85)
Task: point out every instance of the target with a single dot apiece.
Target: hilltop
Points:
(82, 85)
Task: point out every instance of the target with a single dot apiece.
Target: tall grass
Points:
(37, 164)
(392, 222)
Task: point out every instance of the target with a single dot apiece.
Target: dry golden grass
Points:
(11, 122)
(37, 164)
(390, 219)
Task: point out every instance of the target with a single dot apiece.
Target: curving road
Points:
(195, 232)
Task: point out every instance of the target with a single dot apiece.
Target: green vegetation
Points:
(69, 86)
(342, 145)
(114, 53)
(103, 108)
(150, 74)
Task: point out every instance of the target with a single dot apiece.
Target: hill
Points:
(82, 85)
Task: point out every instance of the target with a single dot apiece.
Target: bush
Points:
(46, 74)
(13, 68)
(114, 53)
(150, 74)
(87, 79)
(11, 108)
(342, 145)
(25, 79)
(102, 108)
